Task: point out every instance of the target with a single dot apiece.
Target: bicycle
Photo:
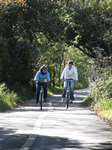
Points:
(41, 83)
(68, 92)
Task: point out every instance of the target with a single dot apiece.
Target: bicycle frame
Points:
(41, 82)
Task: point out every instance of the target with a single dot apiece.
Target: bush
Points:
(25, 92)
(103, 104)
(88, 101)
(8, 99)
(79, 85)
(101, 97)
(109, 87)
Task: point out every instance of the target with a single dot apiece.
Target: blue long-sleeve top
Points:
(40, 75)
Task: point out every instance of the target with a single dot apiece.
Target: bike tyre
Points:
(67, 101)
(41, 101)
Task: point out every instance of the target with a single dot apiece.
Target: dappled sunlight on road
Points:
(54, 127)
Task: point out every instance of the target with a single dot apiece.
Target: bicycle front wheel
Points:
(41, 101)
(67, 101)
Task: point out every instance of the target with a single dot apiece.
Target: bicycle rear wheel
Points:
(67, 101)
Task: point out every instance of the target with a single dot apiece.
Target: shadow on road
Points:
(85, 132)
(55, 143)
(47, 142)
(9, 140)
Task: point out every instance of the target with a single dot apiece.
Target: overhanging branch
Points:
(88, 54)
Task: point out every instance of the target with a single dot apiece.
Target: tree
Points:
(26, 27)
(88, 28)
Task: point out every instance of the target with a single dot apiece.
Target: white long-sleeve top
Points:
(70, 74)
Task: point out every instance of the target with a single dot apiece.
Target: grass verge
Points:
(88, 101)
(8, 99)
(104, 107)
(107, 114)
(101, 98)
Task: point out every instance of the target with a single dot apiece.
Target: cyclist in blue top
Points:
(42, 74)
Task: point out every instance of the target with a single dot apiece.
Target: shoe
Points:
(45, 100)
(37, 101)
(62, 100)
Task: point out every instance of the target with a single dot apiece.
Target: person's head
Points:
(43, 69)
(70, 63)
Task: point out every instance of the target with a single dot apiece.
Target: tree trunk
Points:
(59, 73)
(53, 77)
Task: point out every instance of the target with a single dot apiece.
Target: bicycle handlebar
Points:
(41, 80)
(68, 79)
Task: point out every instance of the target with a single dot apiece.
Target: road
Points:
(55, 127)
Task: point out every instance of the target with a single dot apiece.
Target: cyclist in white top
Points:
(69, 72)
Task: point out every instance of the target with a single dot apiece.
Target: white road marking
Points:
(36, 129)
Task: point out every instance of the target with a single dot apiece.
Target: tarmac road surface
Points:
(54, 127)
